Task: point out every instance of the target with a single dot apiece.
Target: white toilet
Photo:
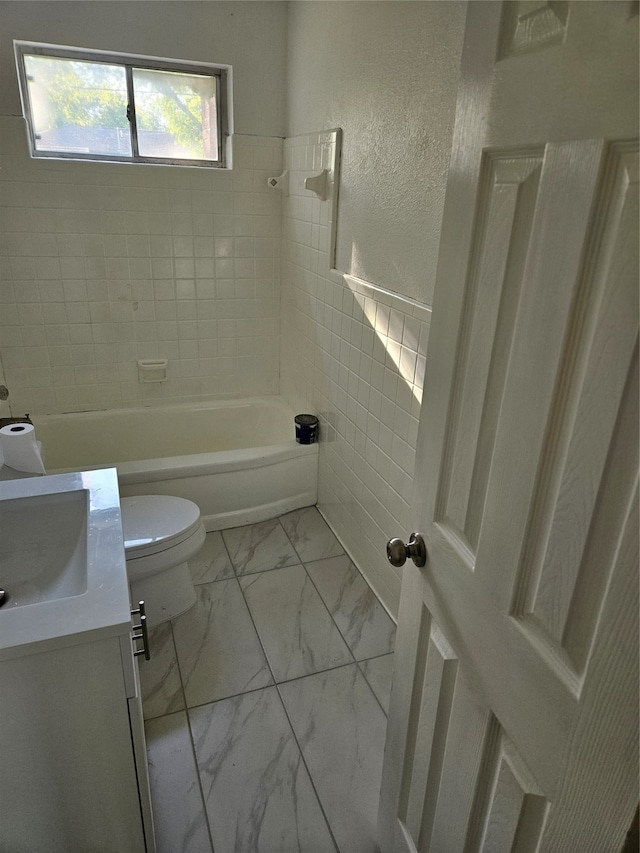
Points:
(161, 534)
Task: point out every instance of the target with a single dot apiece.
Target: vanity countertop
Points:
(72, 586)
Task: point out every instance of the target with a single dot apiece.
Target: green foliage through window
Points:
(100, 108)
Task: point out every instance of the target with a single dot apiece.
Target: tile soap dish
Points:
(280, 182)
(152, 369)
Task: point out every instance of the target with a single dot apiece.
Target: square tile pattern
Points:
(100, 267)
(265, 704)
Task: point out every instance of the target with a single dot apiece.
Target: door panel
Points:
(513, 718)
(431, 716)
(600, 351)
(505, 214)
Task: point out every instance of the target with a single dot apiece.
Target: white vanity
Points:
(73, 768)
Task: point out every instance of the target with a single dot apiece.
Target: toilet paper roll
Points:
(20, 449)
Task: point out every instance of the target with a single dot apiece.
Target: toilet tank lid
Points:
(153, 519)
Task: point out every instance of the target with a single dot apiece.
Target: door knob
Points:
(397, 551)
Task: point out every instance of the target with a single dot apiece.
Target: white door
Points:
(513, 722)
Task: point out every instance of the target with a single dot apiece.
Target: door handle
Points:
(397, 551)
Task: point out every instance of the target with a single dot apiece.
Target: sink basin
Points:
(62, 561)
(43, 553)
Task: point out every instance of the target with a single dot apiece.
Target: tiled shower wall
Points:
(354, 354)
(102, 265)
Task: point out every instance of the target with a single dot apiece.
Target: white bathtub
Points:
(238, 460)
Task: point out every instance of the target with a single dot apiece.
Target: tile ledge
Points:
(359, 285)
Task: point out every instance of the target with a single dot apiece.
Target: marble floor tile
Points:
(297, 632)
(363, 621)
(379, 673)
(259, 547)
(218, 649)
(341, 731)
(159, 677)
(212, 562)
(178, 810)
(257, 791)
(310, 534)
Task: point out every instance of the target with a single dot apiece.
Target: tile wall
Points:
(353, 353)
(102, 265)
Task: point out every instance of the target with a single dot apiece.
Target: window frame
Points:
(221, 73)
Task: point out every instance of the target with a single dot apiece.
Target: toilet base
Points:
(165, 594)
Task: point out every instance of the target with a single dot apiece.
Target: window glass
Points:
(175, 115)
(97, 105)
(78, 107)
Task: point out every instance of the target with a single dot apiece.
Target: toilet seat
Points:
(161, 534)
(148, 565)
(154, 523)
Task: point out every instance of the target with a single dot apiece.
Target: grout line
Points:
(256, 689)
(344, 639)
(375, 657)
(347, 644)
(357, 662)
(191, 741)
(346, 553)
(304, 761)
(266, 571)
(315, 507)
(380, 601)
(228, 553)
(257, 571)
(375, 696)
(295, 737)
(231, 696)
(289, 540)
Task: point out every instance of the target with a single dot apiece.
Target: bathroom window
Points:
(94, 105)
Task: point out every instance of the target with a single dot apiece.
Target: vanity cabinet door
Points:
(136, 722)
(67, 770)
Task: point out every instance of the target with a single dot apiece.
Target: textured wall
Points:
(386, 73)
